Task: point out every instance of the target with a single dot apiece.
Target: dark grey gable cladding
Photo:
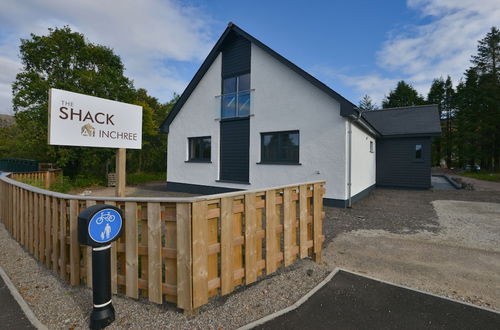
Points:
(235, 56)
(415, 121)
(231, 32)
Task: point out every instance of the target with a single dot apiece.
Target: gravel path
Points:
(60, 306)
(397, 211)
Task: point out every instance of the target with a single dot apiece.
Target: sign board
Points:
(88, 121)
(105, 225)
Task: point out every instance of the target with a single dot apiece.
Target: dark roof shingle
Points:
(416, 120)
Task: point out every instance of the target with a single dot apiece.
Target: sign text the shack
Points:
(82, 120)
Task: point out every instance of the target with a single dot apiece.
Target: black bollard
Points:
(98, 226)
(103, 313)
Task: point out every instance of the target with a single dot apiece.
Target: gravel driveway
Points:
(444, 242)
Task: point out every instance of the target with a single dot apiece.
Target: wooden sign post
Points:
(120, 172)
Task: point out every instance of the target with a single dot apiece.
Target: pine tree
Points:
(487, 64)
(403, 95)
(366, 103)
(436, 96)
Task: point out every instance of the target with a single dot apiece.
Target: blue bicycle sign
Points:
(105, 225)
(105, 217)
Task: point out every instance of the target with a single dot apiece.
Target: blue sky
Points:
(355, 47)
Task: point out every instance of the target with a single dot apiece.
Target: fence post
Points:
(317, 220)
(200, 253)
(74, 254)
(184, 257)
(271, 248)
(131, 250)
(154, 254)
(250, 238)
(47, 180)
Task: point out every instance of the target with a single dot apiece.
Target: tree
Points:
(436, 96)
(477, 111)
(487, 65)
(64, 59)
(468, 121)
(402, 96)
(152, 156)
(366, 103)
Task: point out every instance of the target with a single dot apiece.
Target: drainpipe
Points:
(349, 152)
(349, 168)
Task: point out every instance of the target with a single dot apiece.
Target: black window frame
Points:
(416, 151)
(236, 93)
(201, 159)
(279, 160)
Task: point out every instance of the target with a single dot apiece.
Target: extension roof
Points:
(420, 120)
(346, 107)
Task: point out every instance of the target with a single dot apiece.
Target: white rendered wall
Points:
(282, 100)
(196, 118)
(363, 161)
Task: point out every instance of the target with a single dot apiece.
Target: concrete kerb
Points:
(450, 180)
(328, 278)
(24, 306)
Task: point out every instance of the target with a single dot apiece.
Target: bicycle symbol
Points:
(105, 216)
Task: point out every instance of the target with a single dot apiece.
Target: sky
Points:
(355, 47)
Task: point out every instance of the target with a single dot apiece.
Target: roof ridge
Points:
(399, 108)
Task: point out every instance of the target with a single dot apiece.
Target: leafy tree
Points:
(403, 95)
(66, 60)
(152, 156)
(366, 103)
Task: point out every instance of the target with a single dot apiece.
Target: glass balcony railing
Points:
(234, 105)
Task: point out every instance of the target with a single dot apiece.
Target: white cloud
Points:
(146, 34)
(442, 47)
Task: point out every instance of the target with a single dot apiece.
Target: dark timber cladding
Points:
(397, 165)
(234, 149)
(235, 56)
(235, 132)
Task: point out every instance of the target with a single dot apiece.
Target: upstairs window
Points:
(418, 152)
(236, 96)
(199, 149)
(280, 147)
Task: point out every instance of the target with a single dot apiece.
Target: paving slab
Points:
(350, 301)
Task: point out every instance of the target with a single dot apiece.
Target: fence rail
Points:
(180, 250)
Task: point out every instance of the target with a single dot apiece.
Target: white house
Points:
(252, 119)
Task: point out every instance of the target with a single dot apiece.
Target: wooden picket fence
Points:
(180, 250)
(45, 178)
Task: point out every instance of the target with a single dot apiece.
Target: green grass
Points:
(489, 176)
(135, 178)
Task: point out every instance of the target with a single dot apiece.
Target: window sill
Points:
(231, 181)
(198, 161)
(277, 163)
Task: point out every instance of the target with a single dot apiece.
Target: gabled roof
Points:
(346, 107)
(420, 120)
